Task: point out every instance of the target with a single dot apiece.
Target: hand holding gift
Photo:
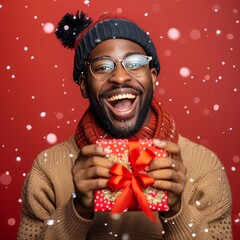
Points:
(91, 172)
(169, 174)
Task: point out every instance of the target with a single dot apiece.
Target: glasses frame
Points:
(149, 59)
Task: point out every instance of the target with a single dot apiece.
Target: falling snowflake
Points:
(173, 33)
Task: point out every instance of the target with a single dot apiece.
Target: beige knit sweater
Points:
(48, 211)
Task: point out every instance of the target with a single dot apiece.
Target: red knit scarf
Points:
(161, 125)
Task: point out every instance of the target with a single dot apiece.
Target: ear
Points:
(83, 85)
(153, 72)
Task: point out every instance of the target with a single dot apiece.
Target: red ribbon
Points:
(132, 196)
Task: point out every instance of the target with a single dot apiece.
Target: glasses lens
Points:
(102, 66)
(136, 64)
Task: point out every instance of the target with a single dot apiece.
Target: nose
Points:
(120, 75)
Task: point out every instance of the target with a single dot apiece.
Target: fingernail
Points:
(111, 164)
(107, 150)
(159, 143)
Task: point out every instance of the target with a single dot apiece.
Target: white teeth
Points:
(121, 96)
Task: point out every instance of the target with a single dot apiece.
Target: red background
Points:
(39, 97)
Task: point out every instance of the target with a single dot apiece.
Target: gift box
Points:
(130, 188)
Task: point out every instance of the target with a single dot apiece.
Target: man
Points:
(116, 66)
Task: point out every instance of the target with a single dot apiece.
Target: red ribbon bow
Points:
(132, 196)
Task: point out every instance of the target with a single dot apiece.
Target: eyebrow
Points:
(132, 53)
(127, 55)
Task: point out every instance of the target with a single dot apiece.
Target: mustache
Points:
(117, 86)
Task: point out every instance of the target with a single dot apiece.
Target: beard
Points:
(126, 131)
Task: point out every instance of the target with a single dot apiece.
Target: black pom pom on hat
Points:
(70, 27)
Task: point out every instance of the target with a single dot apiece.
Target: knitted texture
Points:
(161, 126)
(79, 31)
(111, 28)
(48, 212)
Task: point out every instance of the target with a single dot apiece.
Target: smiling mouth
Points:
(121, 101)
(122, 105)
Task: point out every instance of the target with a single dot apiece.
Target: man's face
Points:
(119, 102)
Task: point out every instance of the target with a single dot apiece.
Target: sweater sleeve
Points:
(206, 204)
(44, 214)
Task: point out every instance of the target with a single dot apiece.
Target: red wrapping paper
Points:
(129, 188)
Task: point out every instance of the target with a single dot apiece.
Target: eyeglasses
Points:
(135, 65)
